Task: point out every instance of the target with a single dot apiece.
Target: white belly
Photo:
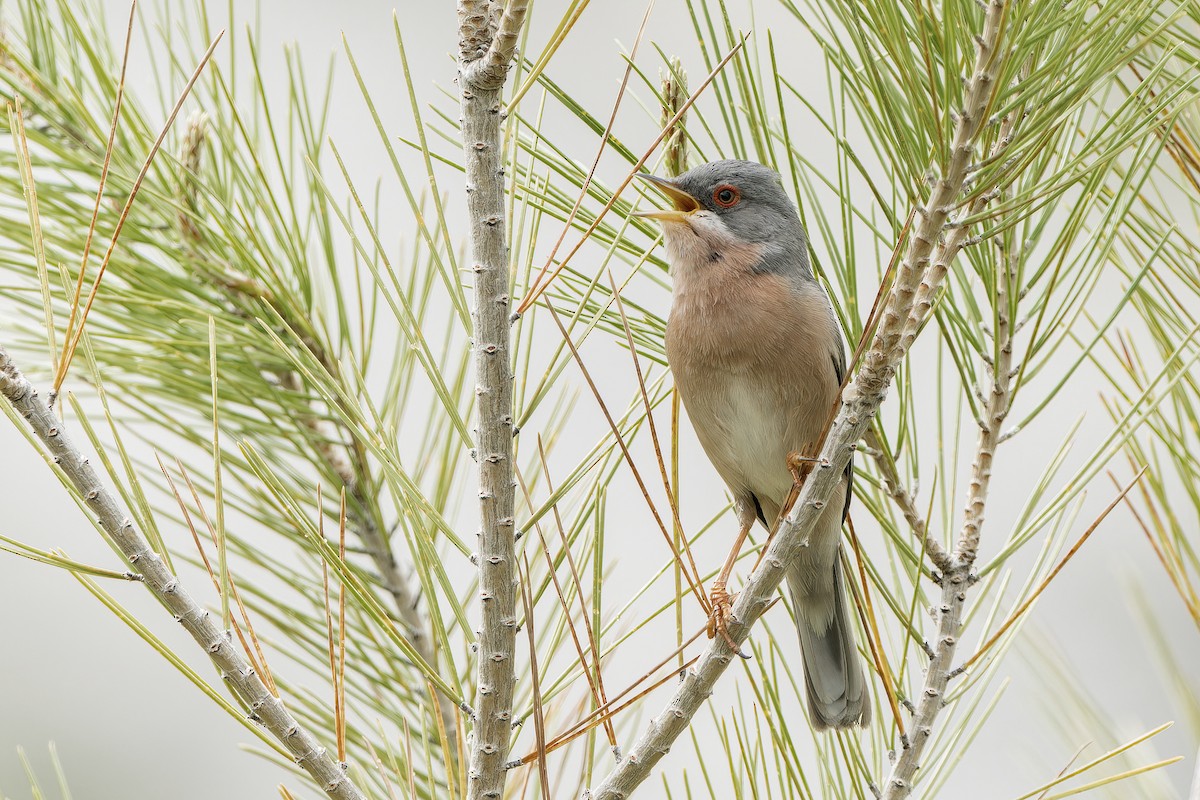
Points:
(744, 432)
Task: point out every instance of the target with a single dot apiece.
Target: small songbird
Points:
(757, 356)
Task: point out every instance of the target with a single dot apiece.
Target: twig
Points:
(234, 666)
(1041, 587)
(491, 70)
(335, 442)
(955, 582)
(339, 446)
(998, 403)
(906, 502)
(486, 48)
(351, 466)
(861, 400)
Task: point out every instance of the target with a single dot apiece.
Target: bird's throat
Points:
(704, 245)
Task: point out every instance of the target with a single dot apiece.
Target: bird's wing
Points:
(839, 370)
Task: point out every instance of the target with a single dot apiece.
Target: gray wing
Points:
(839, 369)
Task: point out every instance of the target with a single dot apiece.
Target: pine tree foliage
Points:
(276, 379)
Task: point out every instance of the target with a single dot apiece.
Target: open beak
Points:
(685, 204)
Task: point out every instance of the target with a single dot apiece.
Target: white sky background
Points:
(72, 673)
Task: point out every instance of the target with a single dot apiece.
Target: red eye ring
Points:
(726, 196)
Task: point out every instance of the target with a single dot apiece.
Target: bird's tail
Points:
(833, 676)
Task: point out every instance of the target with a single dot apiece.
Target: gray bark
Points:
(487, 40)
(234, 666)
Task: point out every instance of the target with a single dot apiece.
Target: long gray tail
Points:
(833, 676)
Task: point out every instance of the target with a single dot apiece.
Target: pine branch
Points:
(949, 248)
(955, 568)
(494, 67)
(957, 579)
(233, 665)
(906, 503)
(474, 29)
(337, 444)
(486, 50)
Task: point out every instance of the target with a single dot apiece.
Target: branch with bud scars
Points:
(488, 33)
(232, 663)
(906, 502)
(957, 575)
(860, 402)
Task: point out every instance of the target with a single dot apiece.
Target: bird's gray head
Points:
(736, 206)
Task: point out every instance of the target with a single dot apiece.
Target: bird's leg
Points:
(722, 601)
(800, 466)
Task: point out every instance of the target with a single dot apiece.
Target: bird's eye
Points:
(726, 196)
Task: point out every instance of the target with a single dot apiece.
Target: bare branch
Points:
(907, 504)
(233, 665)
(899, 783)
(474, 29)
(480, 82)
(504, 44)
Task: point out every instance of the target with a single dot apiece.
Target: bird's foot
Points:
(800, 467)
(721, 614)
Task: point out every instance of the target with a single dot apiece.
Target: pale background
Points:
(73, 674)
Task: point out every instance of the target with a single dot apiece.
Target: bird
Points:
(757, 356)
